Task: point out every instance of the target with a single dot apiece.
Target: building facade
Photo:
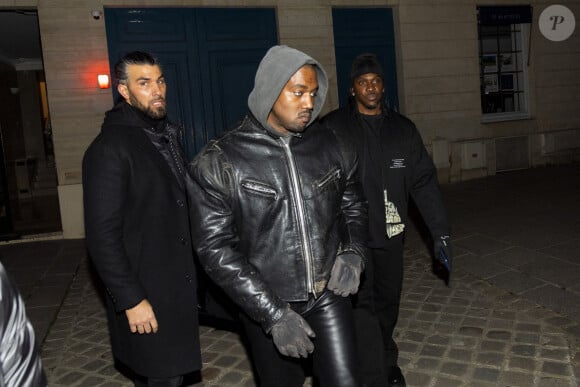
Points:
(488, 91)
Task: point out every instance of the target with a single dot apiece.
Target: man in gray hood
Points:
(281, 225)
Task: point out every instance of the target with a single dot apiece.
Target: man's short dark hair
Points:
(133, 58)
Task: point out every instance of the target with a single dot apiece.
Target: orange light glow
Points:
(104, 82)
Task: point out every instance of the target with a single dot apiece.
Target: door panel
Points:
(232, 43)
(360, 30)
(148, 25)
(164, 33)
(209, 57)
(232, 80)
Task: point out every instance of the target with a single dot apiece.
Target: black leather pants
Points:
(334, 357)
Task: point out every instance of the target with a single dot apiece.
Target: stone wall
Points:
(438, 80)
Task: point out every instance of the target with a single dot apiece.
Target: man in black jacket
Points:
(282, 224)
(394, 166)
(137, 229)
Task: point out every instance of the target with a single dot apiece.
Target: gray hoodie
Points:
(279, 65)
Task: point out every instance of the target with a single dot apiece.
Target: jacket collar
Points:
(270, 132)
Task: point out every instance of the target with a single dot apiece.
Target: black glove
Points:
(345, 274)
(442, 250)
(292, 335)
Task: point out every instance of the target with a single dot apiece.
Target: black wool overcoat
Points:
(138, 237)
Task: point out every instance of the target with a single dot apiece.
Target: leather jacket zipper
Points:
(301, 216)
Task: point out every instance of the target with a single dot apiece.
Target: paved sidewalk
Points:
(510, 316)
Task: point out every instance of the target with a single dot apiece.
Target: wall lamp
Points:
(104, 81)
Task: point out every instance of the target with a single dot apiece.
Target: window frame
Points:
(523, 30)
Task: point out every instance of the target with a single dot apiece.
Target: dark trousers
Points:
(376, 310)
(334, 356)
(368, 332)
(388, 280)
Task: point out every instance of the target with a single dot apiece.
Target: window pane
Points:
(501, 69)
(489, 46)
(505, 44)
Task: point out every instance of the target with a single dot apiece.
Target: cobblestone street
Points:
(510, 316)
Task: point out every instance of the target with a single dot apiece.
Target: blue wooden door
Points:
(360, 30)
(209, 57)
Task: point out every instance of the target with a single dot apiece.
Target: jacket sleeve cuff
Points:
(272, 319)
(127, 300)
(360, 251)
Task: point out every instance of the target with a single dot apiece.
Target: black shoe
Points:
(395, 377)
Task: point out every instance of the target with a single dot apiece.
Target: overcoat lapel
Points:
(144, 144)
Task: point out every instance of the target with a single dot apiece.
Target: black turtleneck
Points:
(155, 123)
(165, 138)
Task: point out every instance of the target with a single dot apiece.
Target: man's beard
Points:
(156, 114)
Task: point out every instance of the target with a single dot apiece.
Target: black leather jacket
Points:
(270, 214)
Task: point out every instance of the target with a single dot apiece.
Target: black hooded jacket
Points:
(393, 159)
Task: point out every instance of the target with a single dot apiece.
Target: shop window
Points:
(503, 56)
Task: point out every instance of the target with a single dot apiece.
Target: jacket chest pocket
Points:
(328, 184)
(258, 189)
(260, 206)
(330, 178)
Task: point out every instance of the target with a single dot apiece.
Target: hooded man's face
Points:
(292, 111)
(145, 89)
(368, 90)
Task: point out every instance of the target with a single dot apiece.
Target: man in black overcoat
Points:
(138, 231)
